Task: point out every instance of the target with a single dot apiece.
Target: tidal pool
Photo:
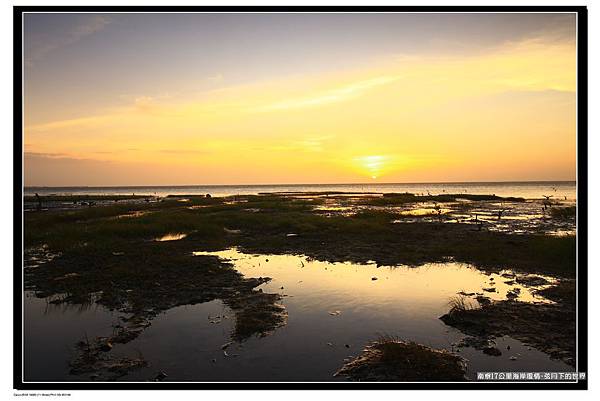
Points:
(334, 310)
(528, 217)
(171, 237)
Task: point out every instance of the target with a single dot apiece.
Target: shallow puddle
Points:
(529, 217)
(334, 310)
(137, 213)
(427, 288)
(171, 237)
(52, 332)
(335, 305)
(514, 217)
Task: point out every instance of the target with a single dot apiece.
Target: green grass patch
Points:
(83, 198)
(391, 199)
(263, 222)
(563, 212)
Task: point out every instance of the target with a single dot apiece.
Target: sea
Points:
(525, 189)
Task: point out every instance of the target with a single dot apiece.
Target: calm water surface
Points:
(529, 190)
(334, 309)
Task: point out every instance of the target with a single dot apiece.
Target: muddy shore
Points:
(94, 254)
(550, 328)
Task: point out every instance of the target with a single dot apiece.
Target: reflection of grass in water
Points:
(146, 279)
(461, 303)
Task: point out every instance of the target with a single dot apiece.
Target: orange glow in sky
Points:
(496, 111)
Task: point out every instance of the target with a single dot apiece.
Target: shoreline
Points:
(111, 255)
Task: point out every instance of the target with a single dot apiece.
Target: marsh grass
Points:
(565, 292)
(390, 199)
(390, 347)
(367, 235)
(83, 198)
(391, 359)
(548, 327)
(461, 303)
(119, 259)
(563, 213)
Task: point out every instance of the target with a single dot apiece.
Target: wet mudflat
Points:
(268, 288)
(508, 215)
(334, 310)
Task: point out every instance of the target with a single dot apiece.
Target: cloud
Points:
(416, 83)
(313, 144)
(184, 151)
(88, 27)
(339, 94)
(93, 25)
(46, 155)
(71, 123)
(215, 78)
(428, 102)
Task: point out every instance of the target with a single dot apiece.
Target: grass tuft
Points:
(563, 213)
(461, 303)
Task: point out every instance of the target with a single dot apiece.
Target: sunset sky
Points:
(173, 99)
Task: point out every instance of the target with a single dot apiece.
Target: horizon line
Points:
(301, 184)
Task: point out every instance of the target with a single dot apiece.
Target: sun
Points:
(372, 165)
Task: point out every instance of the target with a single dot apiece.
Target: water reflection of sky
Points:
(529, 217)
(334, 309)
(171, 237)
(427, 288)
(528, 190)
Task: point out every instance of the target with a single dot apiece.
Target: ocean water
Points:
(529, 190)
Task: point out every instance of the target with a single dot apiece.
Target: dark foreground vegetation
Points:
(391, 359)
(109, 255)
(82, 198)
(262, 224)
(401, 198)
(547, 327)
